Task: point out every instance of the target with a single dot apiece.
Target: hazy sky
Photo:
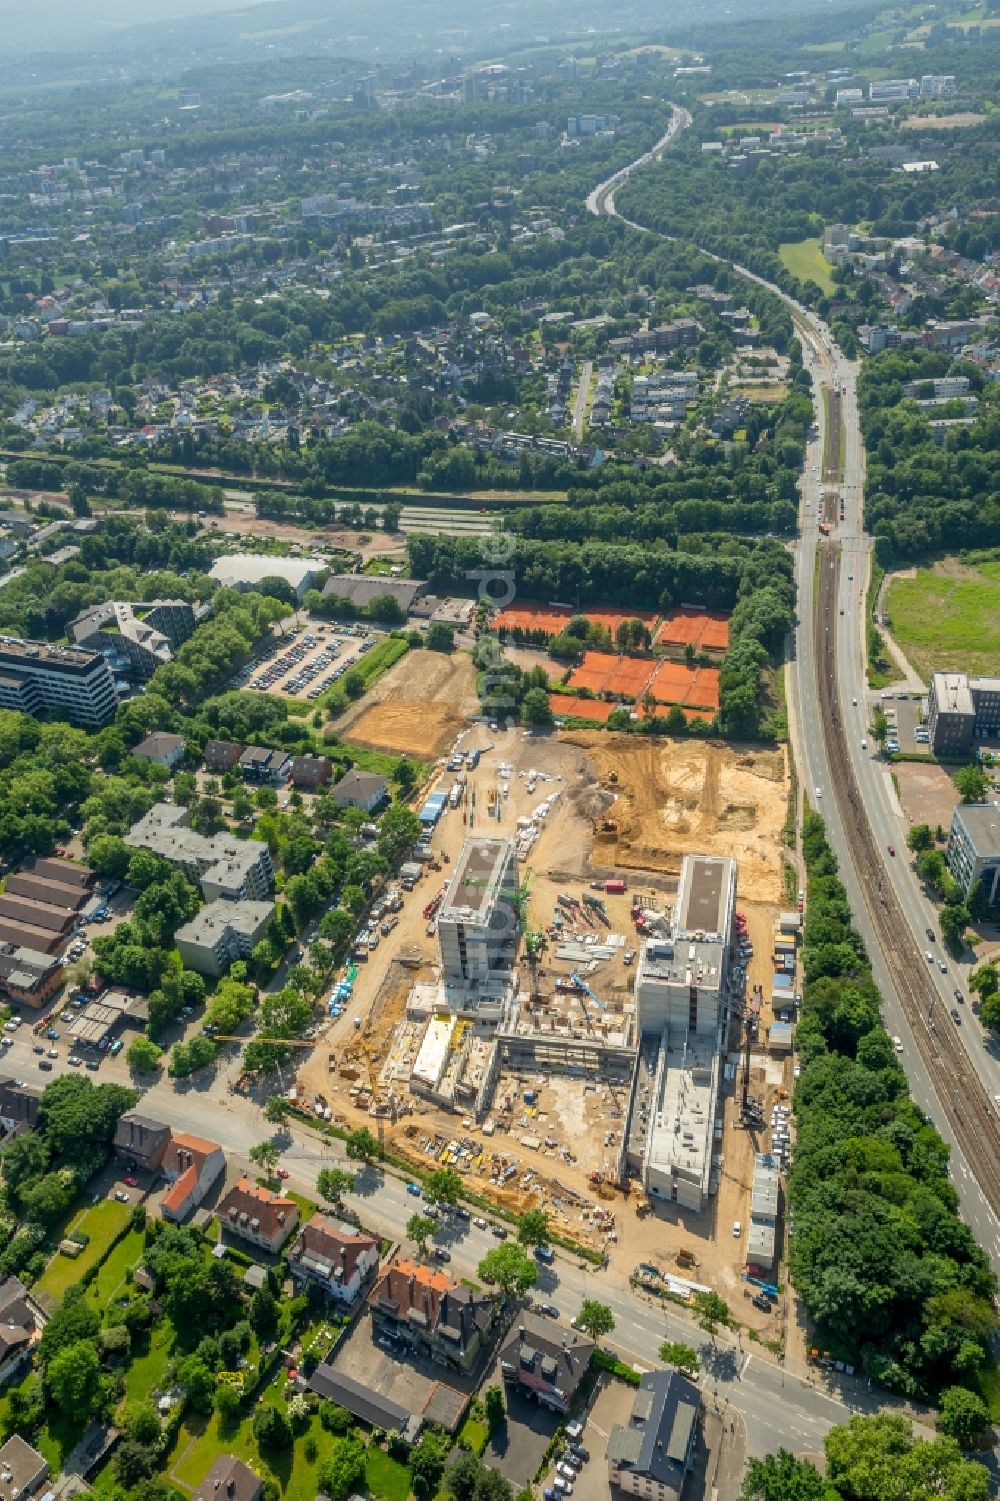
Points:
(49, 24)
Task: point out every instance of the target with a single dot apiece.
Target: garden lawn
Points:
(948, 617)
(804, 259)
(386, 1477)
(475, 1434)
(111, 1277)
(102, 1223)
(147, 1371)
(200, 1443)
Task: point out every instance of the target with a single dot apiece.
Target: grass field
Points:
(804, 259)
(126, 1254)
(948, 617)
(102, 1223)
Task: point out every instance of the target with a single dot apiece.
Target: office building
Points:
(961, 709)
(682, 1000)
(477, 921)
(893, 88)
(135, 639)
(222, 932)
(650, 1455)
(937, 85)
(60, 681)
(973, 853)
(224, 866)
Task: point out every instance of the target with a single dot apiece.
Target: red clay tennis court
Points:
(602, 672)
(694, 687)
(563, 706)
(531, 617)
(551, 619)
(705, 630)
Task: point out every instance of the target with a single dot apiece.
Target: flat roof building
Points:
(60, 681)
(973, 852)
(222, 932)
(245, 571)
(961, 709)
(224, 866)
(361, 588)
(682, 999)
(477, 920)
(762, 1235)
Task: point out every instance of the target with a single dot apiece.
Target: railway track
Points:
(970, 1112)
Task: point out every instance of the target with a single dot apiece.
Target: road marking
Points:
(745, 1366)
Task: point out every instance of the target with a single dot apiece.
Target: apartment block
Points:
(60, 681)
(135, 639)
(237, 869)
(222, 932)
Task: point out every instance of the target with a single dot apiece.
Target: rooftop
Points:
(951, 690)
(21, 1468)
(251, 568)
(223, 916)
(656, 1443)
(17, 653)
(478, 875)
(981, 821)
(672, 1122)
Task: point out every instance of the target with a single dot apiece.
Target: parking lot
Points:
(308, 659)
(906, 732)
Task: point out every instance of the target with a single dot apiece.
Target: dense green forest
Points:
(890, 1275)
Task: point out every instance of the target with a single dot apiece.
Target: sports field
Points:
(948, 617)
(705, 630)
(804, 259)
(631, 677)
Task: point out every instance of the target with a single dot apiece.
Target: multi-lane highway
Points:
(951, 1075)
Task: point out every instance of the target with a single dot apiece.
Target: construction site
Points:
(516, 1022)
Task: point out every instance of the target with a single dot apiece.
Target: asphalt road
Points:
(580, 400)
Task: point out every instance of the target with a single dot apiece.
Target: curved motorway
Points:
(951, 1075)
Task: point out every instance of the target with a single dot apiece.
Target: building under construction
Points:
(682, 993)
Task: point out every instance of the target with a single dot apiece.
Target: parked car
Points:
(761, 1301)
(479, 1222)
(574, 1430)
(130, 1181)
(581, 1451)
(414, 1189)
(499, 1232)
(45, 1065)
(441, 1253)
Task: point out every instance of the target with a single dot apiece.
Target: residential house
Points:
(21, 1323)
(538, 1360)
(310, 772)
(651, 1455)
(221, 755)
(192, 1166)
(140, 1141)
(431, 1315)
(230, 1479)
(162, 749)
(257, 1215)
(18, 1106)
(334, 1258)
(360, 789)
(28, 975)
(23, 1471)
(258, 764)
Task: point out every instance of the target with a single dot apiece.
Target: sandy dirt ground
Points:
(927, 793)
(417, 707)
(577, 1125)
(675, 797)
